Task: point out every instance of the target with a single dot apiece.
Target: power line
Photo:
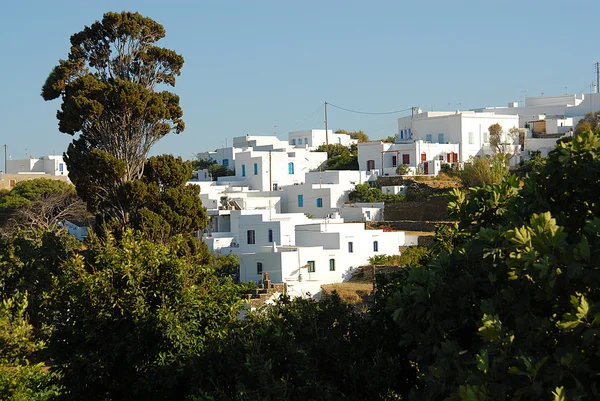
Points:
(368, 112)
(297, 124)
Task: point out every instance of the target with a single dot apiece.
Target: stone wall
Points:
(433, 209)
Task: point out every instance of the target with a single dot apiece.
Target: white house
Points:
(362, 212)
(325, 252)
(267, 170)
(322, 193)
(316, 137)
(51, 165)
(383, 158)
(468, 129)
(244, 231)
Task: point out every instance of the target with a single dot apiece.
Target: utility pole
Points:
(598, 77)
(5, 172)
(326, 131)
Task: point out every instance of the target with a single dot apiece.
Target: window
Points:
(394, 161)
(440, 138)
(290, 168)
(270, 235)
(311, 266)
(293, 142)
(455, 157)
(243, 170)
(423, 157)
(486, 137)
(406, 159)
(471, 138)
(251, 237)
(225, 162)
(441, 158)
(331, 265)
(306, 141)
(255, 168)
(61, 167)
(428, 137)
(259, 268)
(339, 140)
(319, 202)
(370, 165)
(375, 246)
(350, 247)
(300, 200)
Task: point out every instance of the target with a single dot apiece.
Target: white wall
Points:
(288, 264)
(53, 165)
(316, 137)
(329, 189)
(384, 152)
(281, 175)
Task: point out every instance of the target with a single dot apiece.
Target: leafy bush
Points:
(509, 307)
(403, 169)
(480, 171)
(365, 193)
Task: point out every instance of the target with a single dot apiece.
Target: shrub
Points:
(403, 169)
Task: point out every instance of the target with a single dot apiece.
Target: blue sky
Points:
(253, 65)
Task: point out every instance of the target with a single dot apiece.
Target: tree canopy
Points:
(107, 87)
(590, 122)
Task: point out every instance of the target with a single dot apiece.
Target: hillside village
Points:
(286, 215)
(452, 254)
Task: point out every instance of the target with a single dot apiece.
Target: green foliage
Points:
(107, 88)
(107, 84)
(534, 162)
(334, 150)
(24, 192)
(509, 308)
(301, 350)
(390, 139)
(159, 203)
(365, 193)
(214, 169)
(339, 157)
(19, 379)
(128, 313)
(403, 169)
(227, 266)
(589, 123)
(30, 264)
(479, 171)
(343, 162)
(360, 136)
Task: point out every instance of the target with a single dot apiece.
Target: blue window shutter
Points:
(255, 168)
(300, 200)
(290, 168)
(319, 202)
(243, 170)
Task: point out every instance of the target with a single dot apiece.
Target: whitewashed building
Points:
(362, 212)
(316, 137)
(325, 252)
(322, 192)
(52, 165)
(468, 129)
(382, 158)
(267, 170)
